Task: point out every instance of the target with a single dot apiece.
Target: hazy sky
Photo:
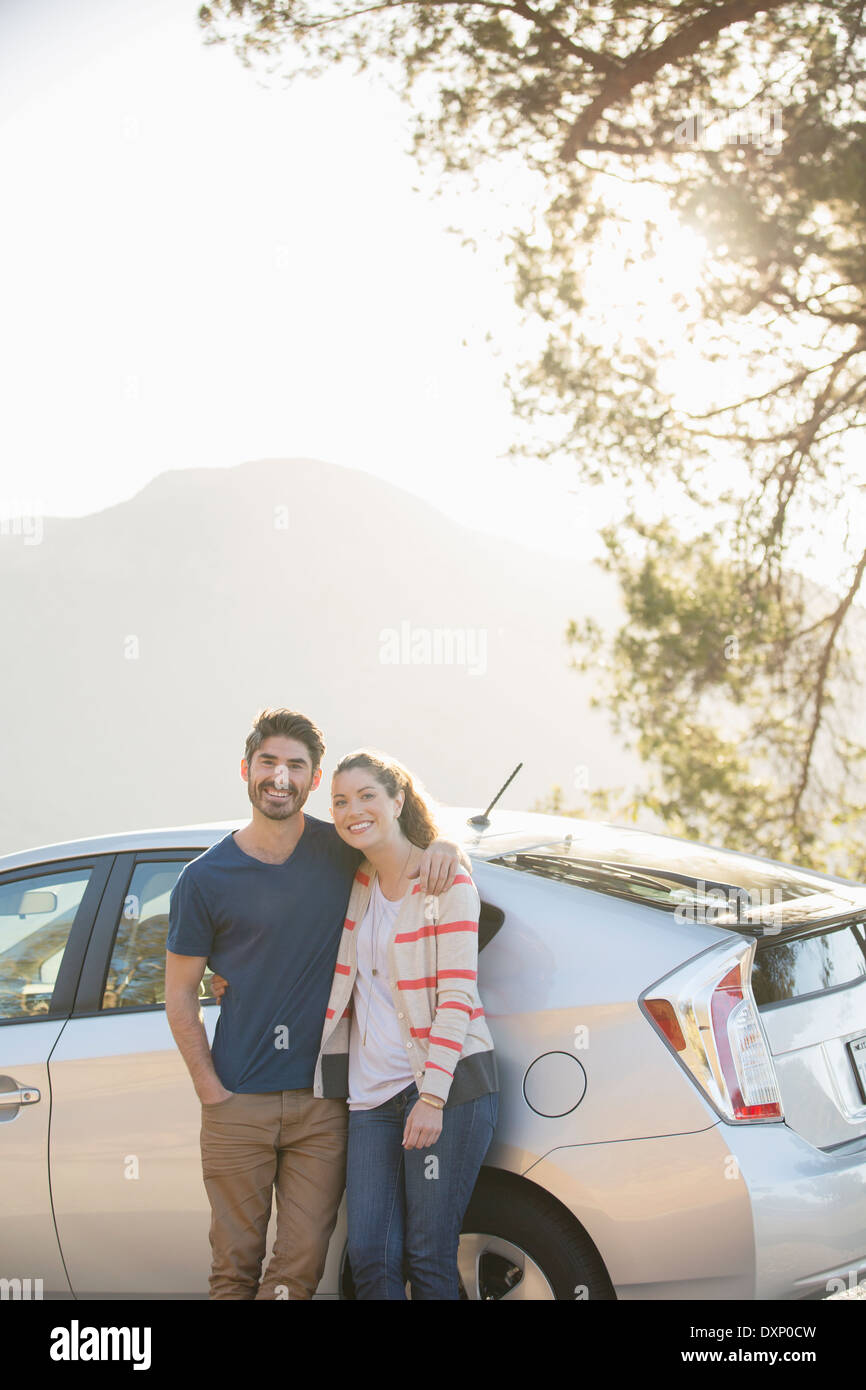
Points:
(198, 271)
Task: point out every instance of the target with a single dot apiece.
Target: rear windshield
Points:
(707, 885)
(810, 965)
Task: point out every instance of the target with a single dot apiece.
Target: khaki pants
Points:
(253, 1145)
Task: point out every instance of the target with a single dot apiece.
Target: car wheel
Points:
(518, 1243)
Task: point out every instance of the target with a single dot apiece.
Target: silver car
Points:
(681, 1035)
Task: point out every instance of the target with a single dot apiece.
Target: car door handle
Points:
(25, 1095)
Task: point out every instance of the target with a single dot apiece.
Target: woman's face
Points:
(364, 814)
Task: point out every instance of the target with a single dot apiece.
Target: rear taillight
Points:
(707, 1014)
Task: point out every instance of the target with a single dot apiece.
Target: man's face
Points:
(280, 777)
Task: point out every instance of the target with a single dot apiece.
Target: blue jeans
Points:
(406, 1206)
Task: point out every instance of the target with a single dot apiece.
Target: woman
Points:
(405, 1039)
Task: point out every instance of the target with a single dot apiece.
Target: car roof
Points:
(508, 832)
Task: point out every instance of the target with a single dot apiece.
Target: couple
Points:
(348, 955)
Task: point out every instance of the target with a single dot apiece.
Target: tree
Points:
(732, 671)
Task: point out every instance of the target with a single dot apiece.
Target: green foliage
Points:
(700, 653)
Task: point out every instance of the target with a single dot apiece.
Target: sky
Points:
(200, 269)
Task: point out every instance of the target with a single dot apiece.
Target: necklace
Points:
(373, 954)
(377, 914)
(403, 870)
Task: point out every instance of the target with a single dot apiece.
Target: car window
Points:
(619, 853)
(810, 965)
(136, 972)
(36, 916)
(700, 883)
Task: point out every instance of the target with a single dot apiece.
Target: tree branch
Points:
(644, 66)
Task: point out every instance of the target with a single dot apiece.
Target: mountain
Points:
(141, 641)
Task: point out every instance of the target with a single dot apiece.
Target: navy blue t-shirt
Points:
(273, 931)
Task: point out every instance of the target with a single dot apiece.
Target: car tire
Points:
(517, 1242)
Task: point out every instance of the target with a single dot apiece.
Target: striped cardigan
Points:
(432, 971)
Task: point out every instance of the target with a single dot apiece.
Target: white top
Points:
(378, 1064)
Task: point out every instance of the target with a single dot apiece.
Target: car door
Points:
(131, 1211)
(46, 914)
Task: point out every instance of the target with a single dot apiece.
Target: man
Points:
(265, 907)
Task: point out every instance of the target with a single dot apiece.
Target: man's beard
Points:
(278, 810)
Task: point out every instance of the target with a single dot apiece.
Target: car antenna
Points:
(484, 820)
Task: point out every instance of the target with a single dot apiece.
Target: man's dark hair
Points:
(289, 723)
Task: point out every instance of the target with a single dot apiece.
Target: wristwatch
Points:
(432, 1100)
